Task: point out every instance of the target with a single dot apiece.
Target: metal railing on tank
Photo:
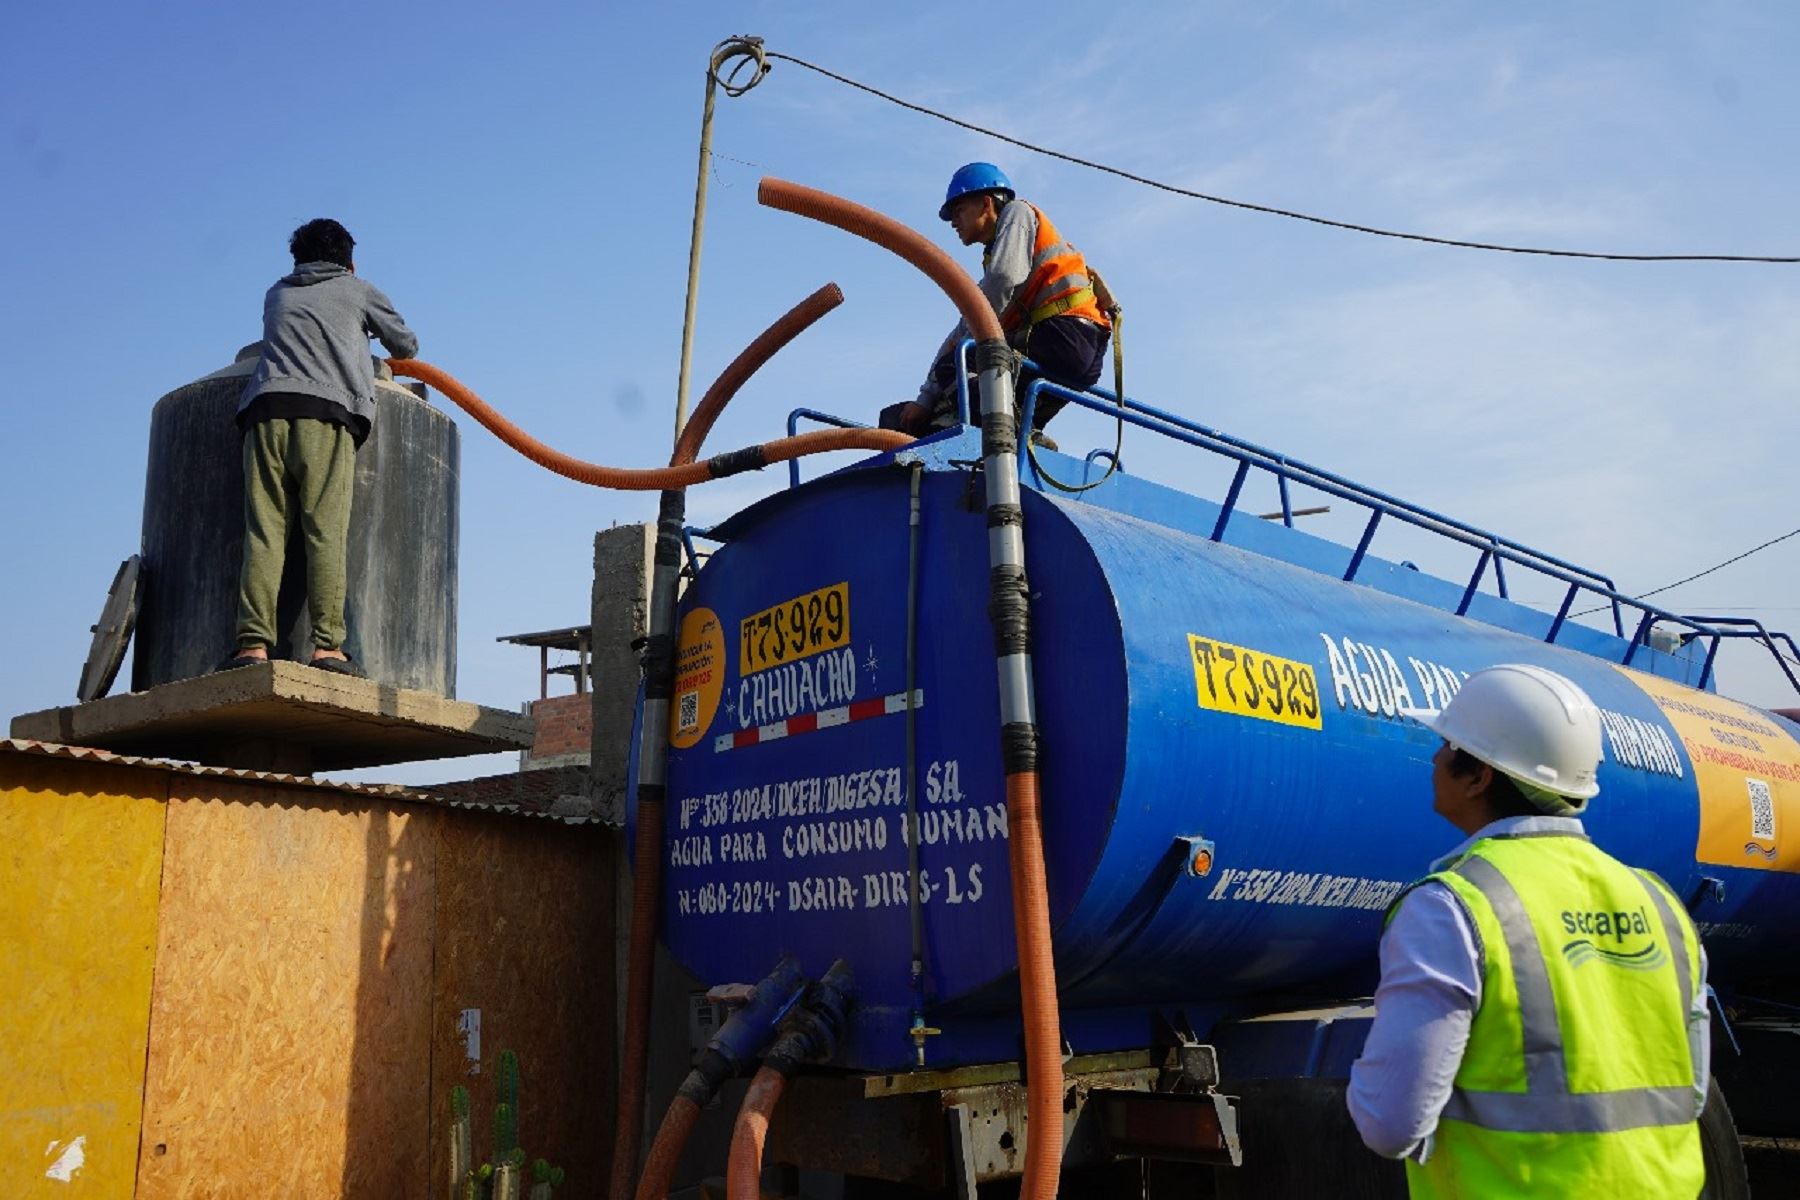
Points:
(822, 418)
(1494, 550)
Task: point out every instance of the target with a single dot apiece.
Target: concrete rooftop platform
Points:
(282, 717)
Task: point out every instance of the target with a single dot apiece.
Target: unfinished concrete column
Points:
(621, 616)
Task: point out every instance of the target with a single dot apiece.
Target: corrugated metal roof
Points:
(381, 791)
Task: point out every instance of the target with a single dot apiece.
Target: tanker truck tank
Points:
(1231, 798)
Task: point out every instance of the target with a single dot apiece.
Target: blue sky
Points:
(520, 181)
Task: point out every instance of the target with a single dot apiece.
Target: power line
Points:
(1731, 608)
(1700, 574)
(1720, 566)
(1261, 208)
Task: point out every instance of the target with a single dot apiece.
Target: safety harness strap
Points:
(1060, 305)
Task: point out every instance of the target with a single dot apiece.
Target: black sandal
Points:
(338, 666)
(233, 662)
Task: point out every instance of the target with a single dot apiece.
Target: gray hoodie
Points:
(317, 324)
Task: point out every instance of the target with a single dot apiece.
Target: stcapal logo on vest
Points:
(1618, 926)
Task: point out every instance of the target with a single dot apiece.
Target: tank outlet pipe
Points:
(658, 662)
(739, 1040)
(810, 1034)
(645, 479)
(1009, 611)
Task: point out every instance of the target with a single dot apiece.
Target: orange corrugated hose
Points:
(644, 479)
(634, 1050)
(665, 1151)
(889, 234)
(1025, 849)
(640, 954)
(746, 364)
(682, 471)
(1037, 987)
(743, 1177)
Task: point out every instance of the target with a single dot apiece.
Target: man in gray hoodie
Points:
(309, 405)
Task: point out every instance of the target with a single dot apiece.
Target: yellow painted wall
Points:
(80, 867)
(212, 987)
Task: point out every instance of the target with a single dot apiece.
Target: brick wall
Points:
(564, 730)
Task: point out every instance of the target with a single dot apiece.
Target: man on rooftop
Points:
(306, 409)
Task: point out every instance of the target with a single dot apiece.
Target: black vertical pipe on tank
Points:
(400, 593)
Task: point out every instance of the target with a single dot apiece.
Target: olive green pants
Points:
(297, 471)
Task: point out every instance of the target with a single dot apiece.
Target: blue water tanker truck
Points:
(1230, 802)
(1231, 798)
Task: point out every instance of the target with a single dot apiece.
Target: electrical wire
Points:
(1245, 204)
(1700, 574)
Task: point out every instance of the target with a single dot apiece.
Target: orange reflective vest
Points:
(1059, 284)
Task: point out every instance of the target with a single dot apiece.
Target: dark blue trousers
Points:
(1067, 350)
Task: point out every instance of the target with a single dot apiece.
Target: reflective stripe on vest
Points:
(1058, 284)
(1578, 1076)
(1547, 1105)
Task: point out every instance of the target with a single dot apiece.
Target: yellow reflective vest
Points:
(1579, 1078)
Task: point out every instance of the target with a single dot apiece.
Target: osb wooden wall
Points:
(313, 959)
(524, 936)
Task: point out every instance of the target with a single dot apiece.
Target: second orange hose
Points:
(753, 356)
(665, 1151)
(634, 1053)
(642, 479)
(743, 1177)
(634, 1062)
(1037, 986)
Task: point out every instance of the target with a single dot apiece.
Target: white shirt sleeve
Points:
(1429, 991)
(1700, 1030)
(1009, 256)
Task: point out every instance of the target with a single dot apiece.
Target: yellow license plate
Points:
(794, 629)
(1249, 683)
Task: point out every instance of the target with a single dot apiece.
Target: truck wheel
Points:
(1726, 1176)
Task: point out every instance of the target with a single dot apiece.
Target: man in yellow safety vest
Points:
(1540, 1027)
(1040, 287)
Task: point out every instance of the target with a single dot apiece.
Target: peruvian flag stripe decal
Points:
(880, 706)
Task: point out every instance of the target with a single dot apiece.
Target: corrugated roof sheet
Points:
(381, 791)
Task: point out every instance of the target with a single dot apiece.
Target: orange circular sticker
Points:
(699, 677)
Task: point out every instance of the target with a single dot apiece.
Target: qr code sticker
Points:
(1762, 811)
(689, 715)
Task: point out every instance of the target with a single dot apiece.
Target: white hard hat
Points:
(1532, 725)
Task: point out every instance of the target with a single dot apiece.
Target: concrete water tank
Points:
(400, 604)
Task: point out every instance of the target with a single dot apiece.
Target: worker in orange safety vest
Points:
(1040, 287)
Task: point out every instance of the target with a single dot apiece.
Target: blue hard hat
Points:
(975, 177)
